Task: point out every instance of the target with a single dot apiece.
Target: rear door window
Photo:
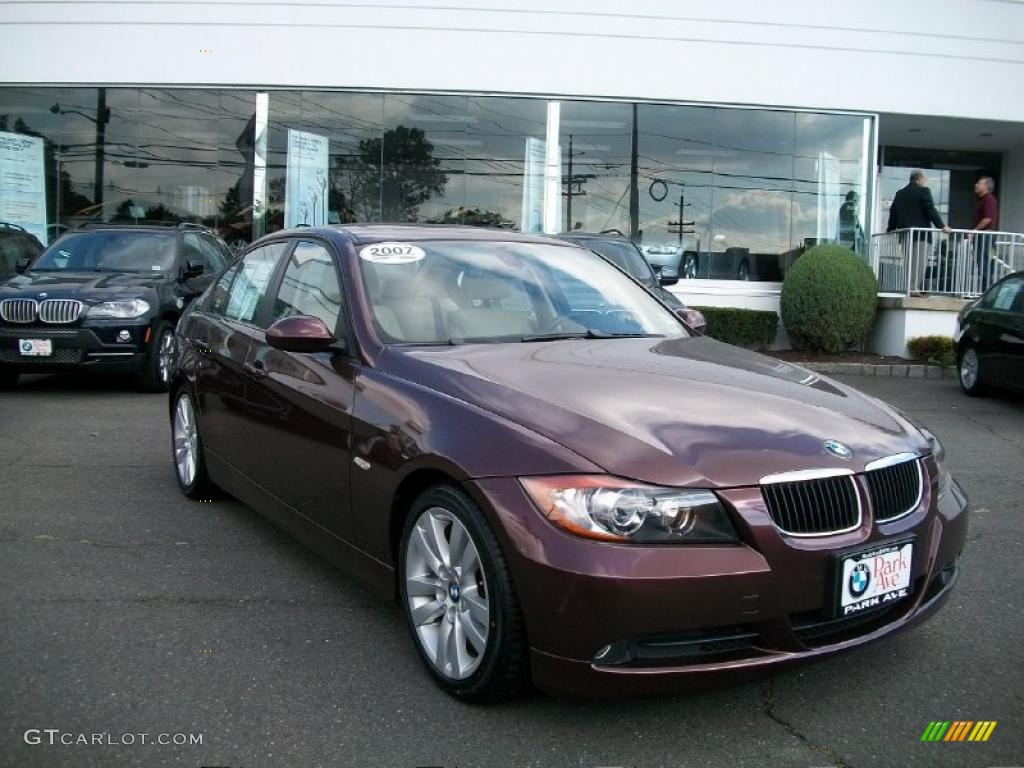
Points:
(249, 288)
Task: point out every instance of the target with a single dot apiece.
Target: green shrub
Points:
(828, 299)
(743, 327)
(937, 350)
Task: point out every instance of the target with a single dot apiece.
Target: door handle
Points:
(255, 370)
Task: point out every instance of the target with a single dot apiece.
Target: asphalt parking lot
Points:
(126, 609)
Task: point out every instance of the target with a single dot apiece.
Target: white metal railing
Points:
(962, 262)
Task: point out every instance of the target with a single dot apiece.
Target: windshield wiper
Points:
(590, 333)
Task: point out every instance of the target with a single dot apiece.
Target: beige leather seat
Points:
(481, 315)
(407, 312)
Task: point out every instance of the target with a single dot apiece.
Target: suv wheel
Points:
(187, 449)
(969, 368)
(459, 599)
(156, 374)
(8, 379)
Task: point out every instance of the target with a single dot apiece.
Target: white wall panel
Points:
(958, 57)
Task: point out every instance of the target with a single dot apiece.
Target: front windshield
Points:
(474, 291)
(110, 251)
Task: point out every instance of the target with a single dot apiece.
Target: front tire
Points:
(969, 370)
(187, 450)
(459, 599)
(157, 370)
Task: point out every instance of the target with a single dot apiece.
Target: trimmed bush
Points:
(937, 350)
(828, 299)
(743, 327)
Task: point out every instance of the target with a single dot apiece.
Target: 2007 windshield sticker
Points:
(391, 253)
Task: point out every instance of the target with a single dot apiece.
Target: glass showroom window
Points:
(128, 155)
(324, 158)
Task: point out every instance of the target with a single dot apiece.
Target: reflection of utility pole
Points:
(681, 226)
(101, 120)
(573, 186)
(634, 190)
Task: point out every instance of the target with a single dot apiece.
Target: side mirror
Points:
(22, 265)
(670, 279)
(192, 269)
(693, 318)
(300, 333)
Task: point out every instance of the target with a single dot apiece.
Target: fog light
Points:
(124, 337)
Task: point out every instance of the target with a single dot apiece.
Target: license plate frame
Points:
(883, 588)
(35, 347)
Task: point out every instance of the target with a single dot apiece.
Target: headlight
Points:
(120, 309)
(612, 509)
(939, 454)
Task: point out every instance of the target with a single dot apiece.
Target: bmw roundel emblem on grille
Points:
(43, 295)
(842, 450)
(860, 580)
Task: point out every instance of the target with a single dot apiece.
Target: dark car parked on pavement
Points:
(105, 298)
(557, 478)
(16, 245)
(621, 252)
(990, 338)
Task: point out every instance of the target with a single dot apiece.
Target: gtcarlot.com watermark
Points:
(55, 737)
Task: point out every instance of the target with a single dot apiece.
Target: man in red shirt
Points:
(986, 218)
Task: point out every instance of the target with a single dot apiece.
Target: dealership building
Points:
(724, 136)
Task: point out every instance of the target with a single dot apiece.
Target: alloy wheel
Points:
(186, 440)
(447, 593)
(969, 368)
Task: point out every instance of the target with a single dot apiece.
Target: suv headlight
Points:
(939, 454)
(120, 310)
(613, 509)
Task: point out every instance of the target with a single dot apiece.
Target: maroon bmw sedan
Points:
(554, 475)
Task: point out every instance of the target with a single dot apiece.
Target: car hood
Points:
(84, 286)
(689, 411)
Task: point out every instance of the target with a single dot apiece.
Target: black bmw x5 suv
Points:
(106, 298)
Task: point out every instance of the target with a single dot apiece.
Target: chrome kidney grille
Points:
(813, 507)
(52, 311)
(18, 310)
(895, 490)
(59, 310)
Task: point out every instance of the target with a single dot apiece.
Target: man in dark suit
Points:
(913, 207)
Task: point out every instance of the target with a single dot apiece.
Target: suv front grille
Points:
(18, 310)
(813, 507)
(895, 490)
(59, 310)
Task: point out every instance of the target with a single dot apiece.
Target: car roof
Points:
(362, 234)
(152, 226)
(610, 236)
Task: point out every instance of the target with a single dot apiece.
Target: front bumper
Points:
(76, 348)
(613, 620)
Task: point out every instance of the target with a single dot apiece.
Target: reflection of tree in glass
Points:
(474, 217)
(388, 180)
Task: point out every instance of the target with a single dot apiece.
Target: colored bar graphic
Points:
(958, 730)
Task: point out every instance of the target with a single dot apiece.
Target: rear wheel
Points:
(187, 450)
(969, 367)
(8, 379)
(156, 375)
(459, 599)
